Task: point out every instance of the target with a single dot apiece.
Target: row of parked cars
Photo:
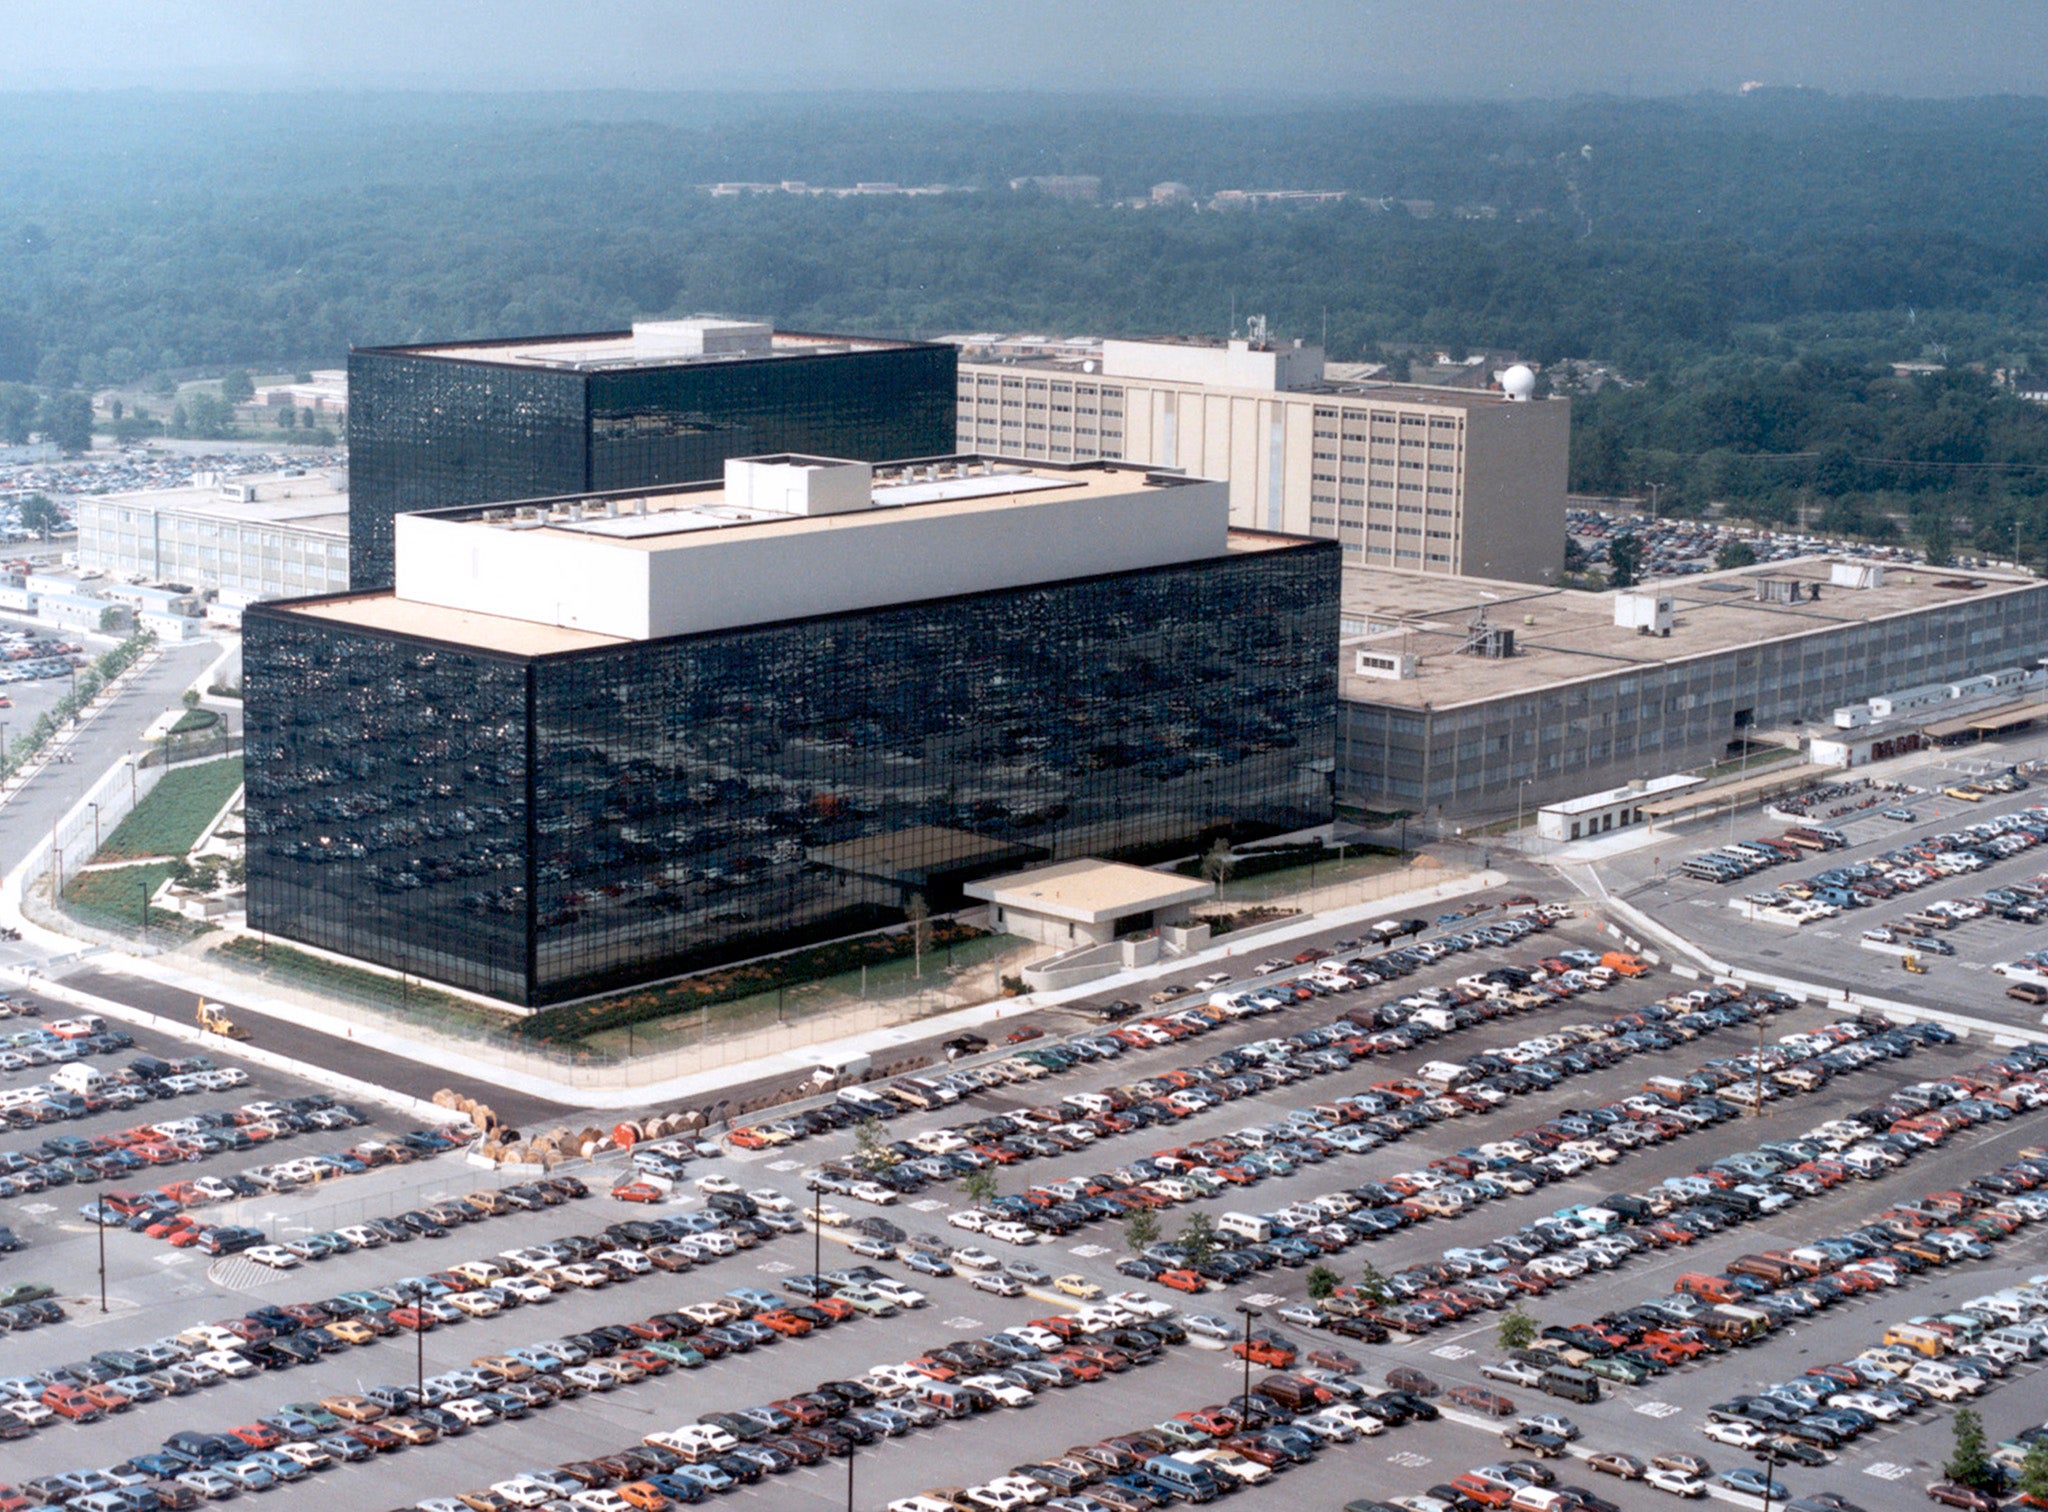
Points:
(1923, 863)
(941, 1089)
(171, 1212)
(1581, 1237)
(1745, 858)
(1798, 1421)
(313, 1436)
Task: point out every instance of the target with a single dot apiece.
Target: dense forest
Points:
(1749, 264)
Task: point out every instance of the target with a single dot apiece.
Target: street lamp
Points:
(102, 1226)
(1249, 1312)
(419, 1334)
(817, 1190)
(1521, 789)
(1773, 1461)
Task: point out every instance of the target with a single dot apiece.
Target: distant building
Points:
(667, 402)
(1438, 480)
(269, 535)
(325, 393)
(590, 741)
(1172, 193)
(1066, 186)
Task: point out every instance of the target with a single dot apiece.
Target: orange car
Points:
(1213, 1421)
(1183, 1280)
(748, 1139)
(1264, 1352)
(642, 1497)
(784, 1322)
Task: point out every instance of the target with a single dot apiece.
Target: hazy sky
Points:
(1270, 49)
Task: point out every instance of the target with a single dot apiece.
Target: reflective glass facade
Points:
(544, 828)
(430, 432)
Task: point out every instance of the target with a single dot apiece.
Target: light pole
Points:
(1772, 1461)
(1521, 789)
(419, 1334)
(852, 1448)
(143, 883)
(817, 1189)
(1249, 1312)
(102, 1226)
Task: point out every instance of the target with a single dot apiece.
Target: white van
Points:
(78, 1077)
(1245, 1226)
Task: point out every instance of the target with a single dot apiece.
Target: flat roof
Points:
(1989, 721)
(613, 350)
(1767, 785)
(313, 501)
(1591, 802)
(1566, 635)
(1443, 395)
(1089, 891)
(703, 515)
(464, 627)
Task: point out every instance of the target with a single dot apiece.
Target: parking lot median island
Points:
(171, 819)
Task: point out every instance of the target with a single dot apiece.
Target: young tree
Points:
(1967, 1464)
(1218, 864)
(287, 417)
(1735, 554)
(1624, 562)
(41, 516)
(237, 388)
(1198, 1238)
(1321, 1282)
(919, 913)
(980, 1187)
(1937, 537)
(1372, 1285)
(1141, 1230)
(1517, 1329)
(871, 1146)
(2034, 1473)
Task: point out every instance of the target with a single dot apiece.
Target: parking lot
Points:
(157, 1291)
(1829, 951)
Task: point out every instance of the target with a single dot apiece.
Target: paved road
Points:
(114, 732)
(415, 1078)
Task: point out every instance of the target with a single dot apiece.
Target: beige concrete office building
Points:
(1437, 480)
(269, 535)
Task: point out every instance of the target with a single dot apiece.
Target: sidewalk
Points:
(697, 1088)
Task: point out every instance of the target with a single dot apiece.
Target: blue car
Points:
(1753, 1483)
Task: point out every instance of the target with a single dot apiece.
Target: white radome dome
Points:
(1518, 382)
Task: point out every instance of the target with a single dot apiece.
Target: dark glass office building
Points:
(539, 827)
(430, 427)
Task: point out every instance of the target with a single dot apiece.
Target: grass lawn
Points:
(171, 818)
(112, 899)
(302, 968)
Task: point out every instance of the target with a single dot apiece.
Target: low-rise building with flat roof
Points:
(591, 741)
(1455, 693)
(1086, 901)
(268, 535)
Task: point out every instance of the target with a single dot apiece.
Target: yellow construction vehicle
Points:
(1913, 964)
(214, 1020)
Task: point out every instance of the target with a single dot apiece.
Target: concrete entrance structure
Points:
(1087, 902)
